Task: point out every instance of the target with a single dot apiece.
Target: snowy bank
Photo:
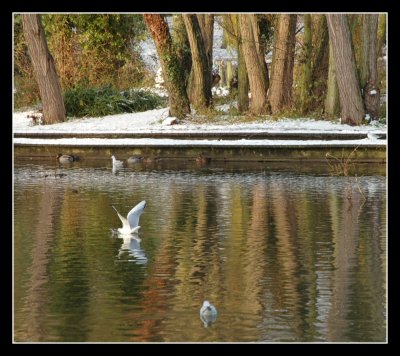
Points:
(153, 121)
(219, 141)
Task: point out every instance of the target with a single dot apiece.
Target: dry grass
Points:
(340, 166)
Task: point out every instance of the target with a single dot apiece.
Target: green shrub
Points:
(80, 102)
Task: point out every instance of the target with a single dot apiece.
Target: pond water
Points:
(285, 256)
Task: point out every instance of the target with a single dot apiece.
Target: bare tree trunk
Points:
(320, 46)
(243, 80)
(206, 23)
(351, 105)
(201, 78)
(305, 82)
(255, 68)
(182, 46)
(332, 94)
(260, 47)
(381, 33)
(172, 70)
(320, 63)
(369, 61)
(280, 92)
(44, 68)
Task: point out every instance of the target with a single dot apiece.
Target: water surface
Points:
(284, 256)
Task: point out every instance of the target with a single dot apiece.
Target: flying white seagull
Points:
(130, 225)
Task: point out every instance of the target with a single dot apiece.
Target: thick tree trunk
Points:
(381, 33)
(351, 104)
(206, 23)
(320, 63)
(243, 80)
(280, 92)
(305, 82)
(44, 68)
(260, 47)
(172, 69)
(182, 46)
(332, 93)
(368, 65)
(320, 53)
(201, 77)
(255, 67)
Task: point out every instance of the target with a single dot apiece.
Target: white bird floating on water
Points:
(208, 313)
(116, 164)
(130, 225)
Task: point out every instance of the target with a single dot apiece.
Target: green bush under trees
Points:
(80, 102)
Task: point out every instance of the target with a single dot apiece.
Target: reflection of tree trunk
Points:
(160, 276)
(345, 228)
(371, 261)
(198, 246)
(158, 284)
(43, 236)
(255, 249)
(285, 252)
(233, 265)
(309, 212)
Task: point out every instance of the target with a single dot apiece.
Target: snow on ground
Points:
(121, 122)
(155, 121)
(220, 91)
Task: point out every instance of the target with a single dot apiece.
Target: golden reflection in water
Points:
(279, 262)
(36, 304)
(345, 238)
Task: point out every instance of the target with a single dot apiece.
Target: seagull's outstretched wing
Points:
(134, 214)
(125, 223)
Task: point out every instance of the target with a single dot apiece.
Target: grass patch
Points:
(81, 102)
